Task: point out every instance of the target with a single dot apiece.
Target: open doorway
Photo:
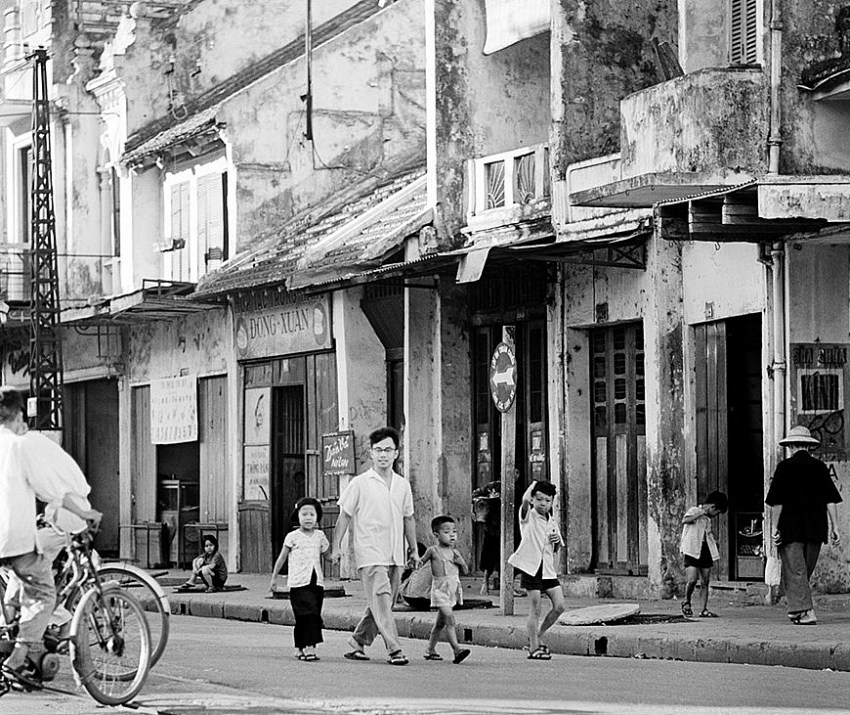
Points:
(288, 468)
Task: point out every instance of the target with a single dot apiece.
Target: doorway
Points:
(288, 468)
(729, 430)
(619, 492)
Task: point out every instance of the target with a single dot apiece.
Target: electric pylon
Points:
(45, 341)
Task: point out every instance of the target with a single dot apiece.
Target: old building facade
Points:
(306, 229)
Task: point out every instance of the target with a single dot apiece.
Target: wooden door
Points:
(213, 459)
(619, 449)
(711, 422)
(288, 469)
(143, 474)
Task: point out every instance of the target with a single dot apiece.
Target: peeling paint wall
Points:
(484, 104)
(600, 55)
(195, 345)
(654, 297)
(819, 312)
(814, 133)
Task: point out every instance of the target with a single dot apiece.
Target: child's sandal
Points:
(430, 655)
(707, 614)
(539, 654)
(687, 611)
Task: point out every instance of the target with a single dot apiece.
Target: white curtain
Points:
(509, 21)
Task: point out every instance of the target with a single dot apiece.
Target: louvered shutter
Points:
(744, 32)
(210, 222)
(180, 231)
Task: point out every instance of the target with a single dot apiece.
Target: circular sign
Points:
(503, 377)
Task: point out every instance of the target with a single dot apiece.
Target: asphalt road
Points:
(217, 666)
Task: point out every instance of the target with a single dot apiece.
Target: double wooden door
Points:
(619, 449)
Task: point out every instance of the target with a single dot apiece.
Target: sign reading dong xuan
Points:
(274, 322)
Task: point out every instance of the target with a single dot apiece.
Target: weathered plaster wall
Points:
(725, 278)
(369, 115)
(600, 54)
(813, 132)
(708, 121)
(818, 300)
(143, 226)
(197, 345)
(653, 296)
(703, 36)
(484, 104)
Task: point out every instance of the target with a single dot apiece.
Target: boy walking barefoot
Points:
(535, 559)
(700, 549)
(446, 590)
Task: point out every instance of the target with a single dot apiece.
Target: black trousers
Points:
(306, 604)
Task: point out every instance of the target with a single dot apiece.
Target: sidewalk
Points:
(759, 635)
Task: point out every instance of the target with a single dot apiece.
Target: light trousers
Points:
(798, 561)
(37, 595)
(380, 586)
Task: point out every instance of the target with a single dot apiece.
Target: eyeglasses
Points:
(383, 450)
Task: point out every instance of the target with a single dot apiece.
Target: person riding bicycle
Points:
(31, 467)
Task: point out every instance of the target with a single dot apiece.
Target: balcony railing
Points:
(508, 187)
(80, 276)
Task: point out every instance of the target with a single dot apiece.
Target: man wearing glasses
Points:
(378, 505)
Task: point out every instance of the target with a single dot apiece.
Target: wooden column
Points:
(508, 467)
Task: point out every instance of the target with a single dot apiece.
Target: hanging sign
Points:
(174, 410)
(338, 453)
(503, 377)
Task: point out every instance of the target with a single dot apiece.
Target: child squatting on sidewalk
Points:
(700, 549)
(304, 548)
(446, 589)
(209, 568)
(540, 541)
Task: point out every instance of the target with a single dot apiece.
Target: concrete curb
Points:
(599, 641)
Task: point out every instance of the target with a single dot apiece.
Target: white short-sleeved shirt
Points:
(535, 546)
(32, 466)
(377, 517)
(305, 557)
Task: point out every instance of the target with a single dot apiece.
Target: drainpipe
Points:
(777, 256)
(774, 138)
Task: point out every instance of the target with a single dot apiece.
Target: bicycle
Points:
(109, 642)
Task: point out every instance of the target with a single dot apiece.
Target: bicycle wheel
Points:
(150, 595)
(110, 645)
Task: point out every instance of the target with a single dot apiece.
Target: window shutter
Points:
(211, 227)
(744, 32)
(180, 231)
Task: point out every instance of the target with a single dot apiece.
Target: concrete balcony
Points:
(699, 132)
(508, 188)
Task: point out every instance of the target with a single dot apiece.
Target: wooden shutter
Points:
(210, 221)
(180, 231)
(214, 487)
(744, 32)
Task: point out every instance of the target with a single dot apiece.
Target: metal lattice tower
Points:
(45, 342)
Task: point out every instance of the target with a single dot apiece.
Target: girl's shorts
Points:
(537, 582)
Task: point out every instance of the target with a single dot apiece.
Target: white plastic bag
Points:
(773, 571)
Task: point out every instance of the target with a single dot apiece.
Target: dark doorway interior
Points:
(745, 460)
(288, 470)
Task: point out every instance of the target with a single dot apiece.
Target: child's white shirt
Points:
(534, 545)
(305, 556)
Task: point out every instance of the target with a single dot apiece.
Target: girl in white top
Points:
(304, 548)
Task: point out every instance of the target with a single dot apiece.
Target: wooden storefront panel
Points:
(143, 475)
(619, 426)
(212, 432)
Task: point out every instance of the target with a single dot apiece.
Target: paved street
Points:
(219, 666)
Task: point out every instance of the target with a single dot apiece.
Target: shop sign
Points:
(257, 425)
(819, 372)
(503, 374)
(174, 410)
(257, 470)
(272, 322)
(338, 453)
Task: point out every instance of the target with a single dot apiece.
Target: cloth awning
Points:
(509, 21)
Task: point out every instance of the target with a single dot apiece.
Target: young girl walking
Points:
(304, 548)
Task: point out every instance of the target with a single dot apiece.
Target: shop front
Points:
(288, 401)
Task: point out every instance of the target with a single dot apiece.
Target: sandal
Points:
(430, 655)
(687, 611)
(707, 614)
(356, 654)
(310, 657)
(545, 648)
(461, 655)
(539, 654)
(25, 675)
(397, 658)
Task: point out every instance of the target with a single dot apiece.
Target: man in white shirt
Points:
(29, 471)
(378, 505)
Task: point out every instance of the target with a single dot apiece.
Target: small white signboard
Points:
(174, 410)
